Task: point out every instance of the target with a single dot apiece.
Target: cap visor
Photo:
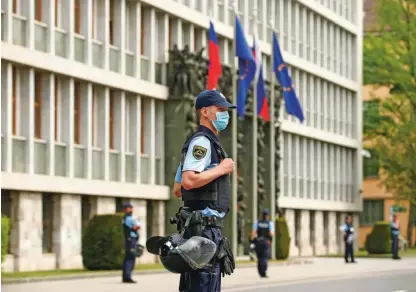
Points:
(226, 104)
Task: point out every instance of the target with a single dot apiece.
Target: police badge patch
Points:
(199, 152)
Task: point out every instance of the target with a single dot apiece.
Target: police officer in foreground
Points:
(348, 231)
(261, 236)
(204, 176)
(395, 232)
(131, 237)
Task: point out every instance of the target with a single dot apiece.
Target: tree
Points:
(390, 60)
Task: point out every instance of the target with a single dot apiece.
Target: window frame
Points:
(38, 104)
(77, 112)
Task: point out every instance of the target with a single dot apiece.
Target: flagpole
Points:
(272, 149)
(234, 144)
(254, 126)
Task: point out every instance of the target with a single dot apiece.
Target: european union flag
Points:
(292, 104)
(246, 65)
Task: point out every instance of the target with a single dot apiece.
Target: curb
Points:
(135, 273)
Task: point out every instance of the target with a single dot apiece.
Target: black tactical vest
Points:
(216, 194)
(263, 228)
(127, 230)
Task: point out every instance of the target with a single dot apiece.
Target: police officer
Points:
(262, 234)
(348, 231)
(205, 183)
(395, 232)
(131, 236)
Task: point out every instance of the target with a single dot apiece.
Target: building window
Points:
(169, 34)
(57, 13)
(56, 118)
(142, 128)
(142, 26)
(85, 211)
(119, 205)
(93, 116)
(373, 211)
(14, 101)
(77, 112)
(111, 119)
(111, 22)
(77, 16)
(14, 6)
(38, 10)
(6, 210)
(38, 105)
(371, 165)
(47, 219)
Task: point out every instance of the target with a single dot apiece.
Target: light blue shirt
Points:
(198, 165)
(256, 226)
(130, 222)
(395, 232)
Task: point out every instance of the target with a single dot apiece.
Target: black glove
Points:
(226, 258)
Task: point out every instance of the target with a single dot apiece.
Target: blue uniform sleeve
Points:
(129, 221)
(198, 157)
(255, 226)
(271, 226)
(178, 176)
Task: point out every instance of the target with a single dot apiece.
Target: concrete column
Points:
(305, 234)
(27, 230)
(356, 225)
(28, 116)
(86, 121)
(319, 246)
(120, 132)
(7, 113)
(159, 211)
(332, 229)
(340, 233)
(290, 218)
(103, 205)
(67, 234)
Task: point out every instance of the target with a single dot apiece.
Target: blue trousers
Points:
(349, 251)
(129, 258)
(395, 246)
(262, 251)
(207, 279)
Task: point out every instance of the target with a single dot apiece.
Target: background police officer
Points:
(348, 231)
(205, 182)
(263, 231)
(395, 232)
(131, 227)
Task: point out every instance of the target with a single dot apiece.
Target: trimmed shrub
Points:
(282, 238)
(5, 227)
(103, 243)
(378, 241)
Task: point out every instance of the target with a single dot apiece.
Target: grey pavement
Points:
(326, 274)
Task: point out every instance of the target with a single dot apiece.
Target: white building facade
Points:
(82, 124)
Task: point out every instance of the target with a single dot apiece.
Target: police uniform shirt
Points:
(394, 230)
(271, 226)
(198, 159)
(130, 222)
(346, 228)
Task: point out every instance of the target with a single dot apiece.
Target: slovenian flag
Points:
(214, 67)
(262, 102)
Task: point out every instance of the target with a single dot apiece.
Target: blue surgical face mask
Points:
(222, 120)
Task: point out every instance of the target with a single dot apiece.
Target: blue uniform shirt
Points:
(130, 221)
(395, 232)
(198, 165)
(256, 226)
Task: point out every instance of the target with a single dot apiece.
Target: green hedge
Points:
(282, 238)
(378, 241)
(103, 243)
(5, 227)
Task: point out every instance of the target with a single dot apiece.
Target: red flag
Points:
(214, 67)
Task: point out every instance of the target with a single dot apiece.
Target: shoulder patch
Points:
(199, 152)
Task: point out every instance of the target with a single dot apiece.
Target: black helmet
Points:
(179, 255)
(139, 250)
